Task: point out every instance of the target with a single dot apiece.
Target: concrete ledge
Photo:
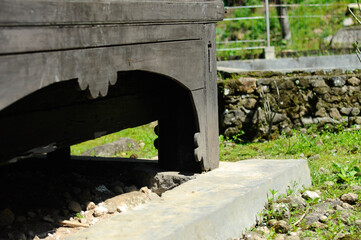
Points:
(220, 204)
(325, 63)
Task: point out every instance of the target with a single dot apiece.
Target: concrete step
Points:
(219, 204)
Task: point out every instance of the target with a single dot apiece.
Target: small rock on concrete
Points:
(100, 211)
(7, 217)
(310, 195)
(90, 206)
(350, 198)
(281, 227)
(74, 206)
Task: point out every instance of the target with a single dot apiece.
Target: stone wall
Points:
(306, 98)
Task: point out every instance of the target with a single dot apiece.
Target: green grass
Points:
(143, 134)
(340, 147)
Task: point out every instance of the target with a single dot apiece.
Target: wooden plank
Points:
(60, 12)
(35, 39)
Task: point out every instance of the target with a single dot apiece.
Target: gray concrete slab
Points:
(314, 63)
(219, 204)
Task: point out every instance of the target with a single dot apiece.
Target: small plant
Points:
(79, 216)
(346, 174)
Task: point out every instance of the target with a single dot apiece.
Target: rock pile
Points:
(40, 201)
(306, 98)
(312, 217)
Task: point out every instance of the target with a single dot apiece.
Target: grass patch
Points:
(322, 150)
(142, 134)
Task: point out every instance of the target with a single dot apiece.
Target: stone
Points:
(346, 111)
(294, 202)
(323, 170)
(350, 198)
(321, 113)
(347, 206)
(354, 81)
(234, 117)
(246, 85)
(292, 237)
(100, 211)
(321, 90)
(358, 223)
(281, 227)
(90, 206)
(347, 22)
(159, 181)
(335, 114)
(329, 183)
(111, 149)
(7, 217)
(318, 225)
(281, 211)
(356, 188)
(355, 111)
(337, 81)
(312, 218)
(345, 37)
(253, 236)
(74, 207)
(249, 103)
(315, 157)
(341, 236)
(323, 219)
(263, 229)
(318, 83)
(310, 195)
(280, 237)
(271, 222)
(339, 90)
(339, 208)
(285, 85)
